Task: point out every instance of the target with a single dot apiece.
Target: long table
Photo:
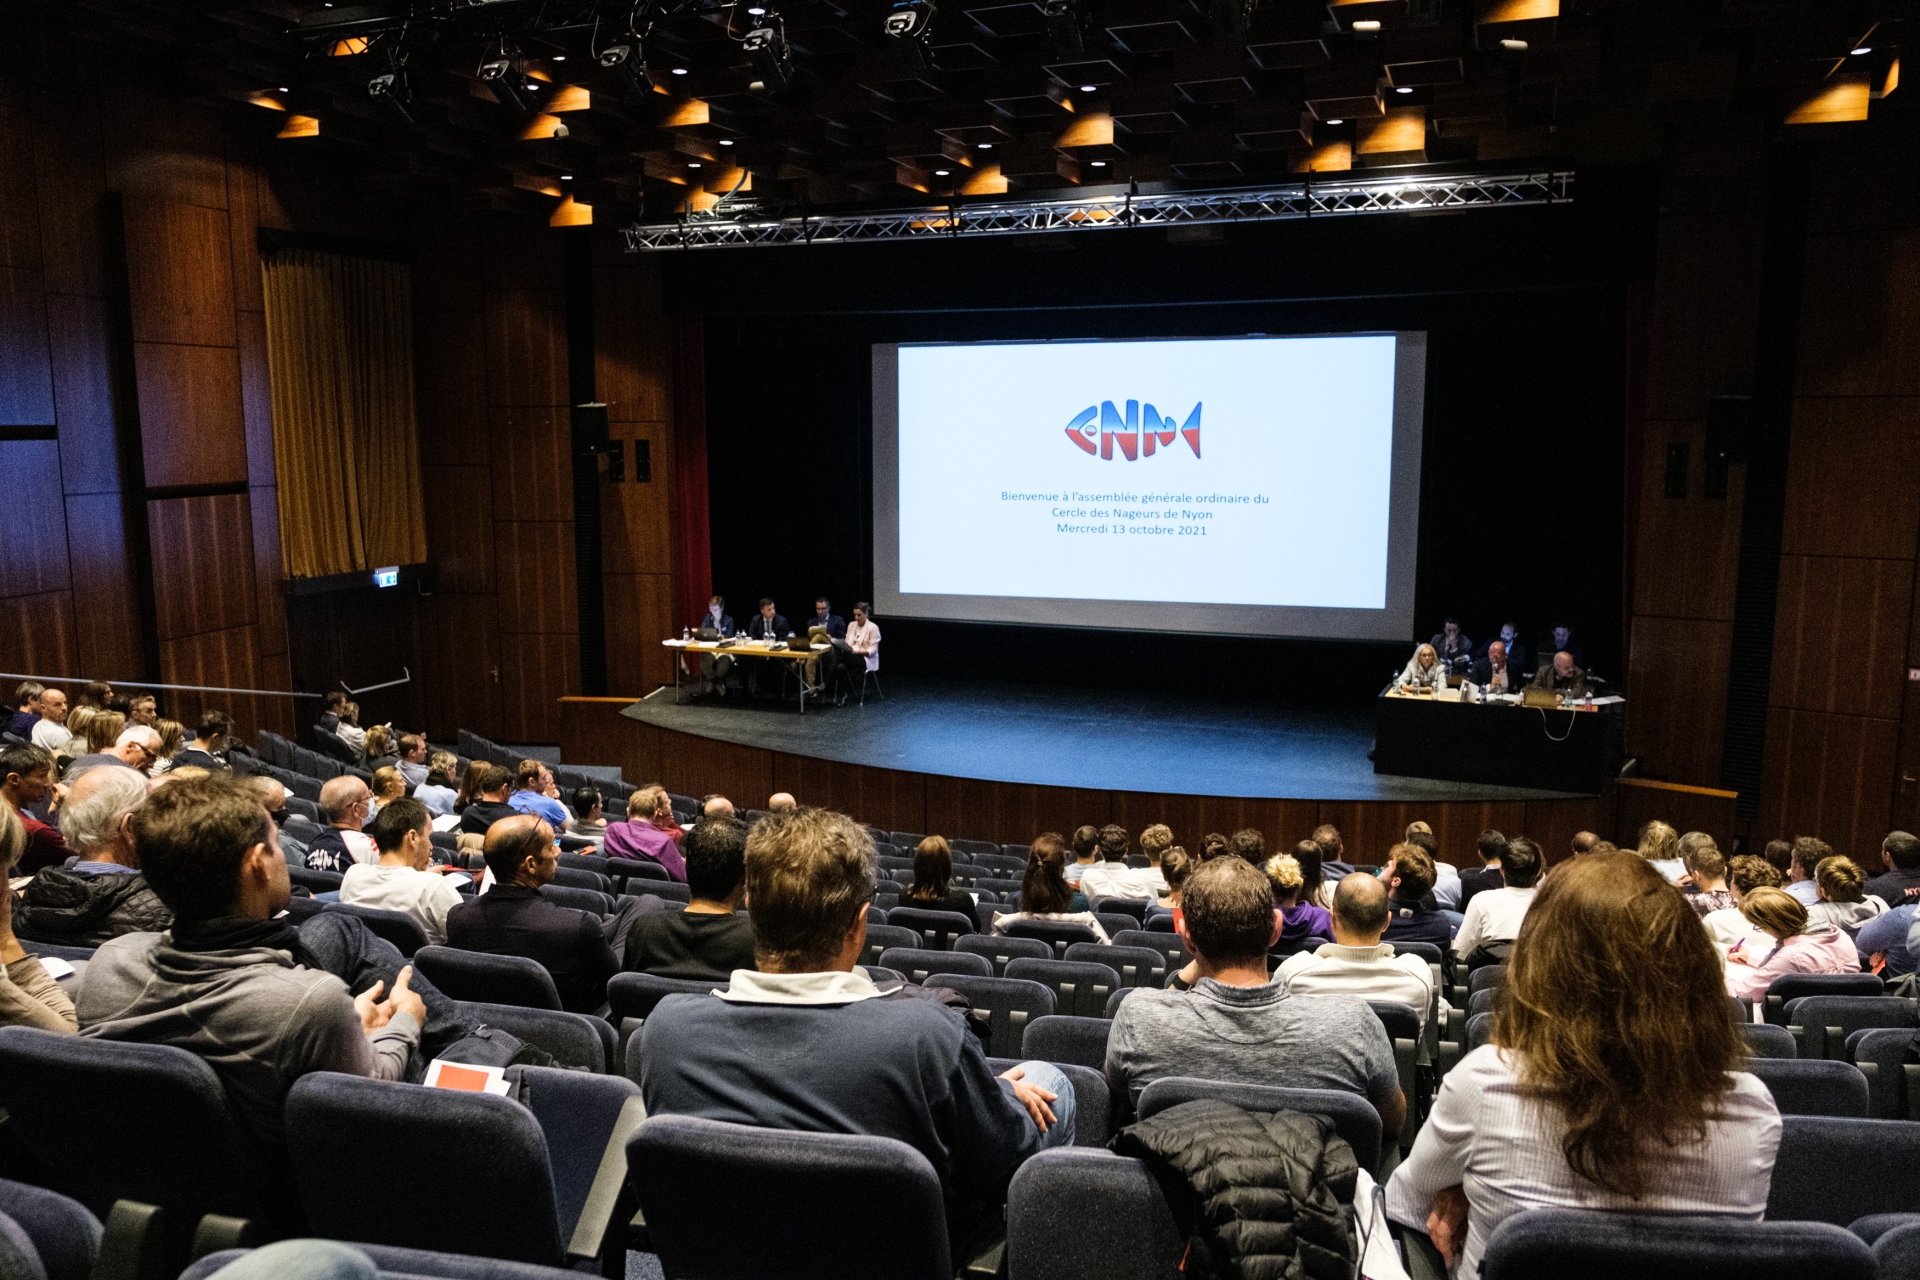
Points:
(805, 662)
(1574, 749)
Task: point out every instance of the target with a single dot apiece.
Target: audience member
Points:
(413, 764)
(145, 710)
(932, 888)
(50, 732)
(137, 748)
(1583, 843)
(1111, 877)
(1299, 920)
(98, 695)
(533, 792)
(26, 780)
(1446, 878)
(469, 788)
(1176, 865)
(781, 802)
(1797, 947)
(1491, 846)
(1900, 855)
(349, 730)
(1409, 875)
(1883, 941)
(1357, 962)
(1779, 854)
(330, 716)
(1086, 853)
(650, 833)
(104, 894)
(402, 880)
(1212, 845)
(1044, 892)
(388, 786)
(273, 798)
(1236, 1024)
(716, 806)
(1844, 902)
(708, 939)
(211, 743)
(1807, 854)
(80, 732)
(1493, 917)
(513, 919)
(1726, 926)
(26, 709)
(1707, 870)
(591, 822)
(263, 1002)
(29, 995)
(810, 1043)
(488, 802)
(172, 739)
(1334, 866)
(379, 752)
(344, 803)
(1660, 845)
(438, 792)
(1250, 846)
(1154, 843)
(1619, 1091)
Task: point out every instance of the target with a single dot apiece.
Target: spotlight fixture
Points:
(626, 64)
(771, 55)
(726, 142)
(1065, 18)
(391, 93)
(566, 177)
(755, 11)
(1098, 164)
(500, 74)
(1089, 88)
(1514, 46)
(1405, 88)
(693, 164)
(1856, 52)
(1336, 122)
(910, 24)
(679, 71)
(558, 57)
(1367, 27)
(941, 173)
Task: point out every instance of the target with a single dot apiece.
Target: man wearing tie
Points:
(769, 626)
(1493, 673)
(824, 616)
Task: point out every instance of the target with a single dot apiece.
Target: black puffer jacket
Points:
(1269, 1189)
(82, 910)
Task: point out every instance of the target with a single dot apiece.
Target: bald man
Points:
(344, 802)
(273, 798)
(1356, 962)
(716, 807)
(781, 802)
(514, 919)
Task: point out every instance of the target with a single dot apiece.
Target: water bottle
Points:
(686, 634)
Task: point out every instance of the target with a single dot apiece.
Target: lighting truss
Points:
(1307, 198)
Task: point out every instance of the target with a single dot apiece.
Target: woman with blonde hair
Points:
(1844, 901)
(388, 786)
(1299, 920)
(173, 736)
(1614, 1080)
(1423, 673)
(1660, 845)
(377, 750)
(29, 996)
(1786, 943)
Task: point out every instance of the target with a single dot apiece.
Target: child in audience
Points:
(1620, 1090)
(1796, 945)
(1844, 901)
(1707, 873)
(1299, 920)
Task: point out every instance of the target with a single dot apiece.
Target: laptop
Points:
(708, 632)
(1532, 697)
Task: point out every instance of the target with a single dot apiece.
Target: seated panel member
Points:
(715, 667)
(1424, 671)
(716, 617)
(1516, 651)
(1562, 676)
(824, 616)
(768, 624)
(1496, 673)
(1453, 646)
(861, 651)
(1562, 641)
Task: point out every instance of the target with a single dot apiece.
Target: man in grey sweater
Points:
(224, 982)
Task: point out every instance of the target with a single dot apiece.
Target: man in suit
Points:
(769, 625)
(1453, 648)
(1561, 675)
(1516, 651)
(1562, 641)
(716, 617)
(1495, 673)
(715, 667)
(824, 616)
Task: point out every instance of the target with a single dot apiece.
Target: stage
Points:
(1078, 738)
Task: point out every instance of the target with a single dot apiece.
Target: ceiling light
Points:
(756, 11)
(693, 164)
(284, 89)
(1367, 26)
(566, 177)
(558, 57)
(1405, 88)
(1089, 88)
(1099, 164)
(984, 146)
(726, 142)
(941, 173)
(679, 71)
(1514, 46)
(1336, 122)
(1865, 48)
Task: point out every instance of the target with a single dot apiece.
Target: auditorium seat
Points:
(1479, 1030)
(1017, 851)
(938, 928)
(671, 890)
(1137, 966)
(1092, 1099)
(315, 881)
(573, 878)
(597, 863)
(1881, 1055)
(1831, 1169)
(1480, 1002)
(1486, 977)
(73, 955)
(1009, 1003)
(876, 915)
(917, 965)
(1402, 1023)
(1765, 1040)
(1003, 862)
(1073, 1213)
(488, 979)
(1353, 1116)
(45, 1235)
(1116, 922)
(1055, 934)
(1117, 999)
(633, 995)
(592, 900)
(573, 1039)
(1167, 943)
(692, 1176)
(446, 842)
(397, 927)
(1896, 1250)
(1133, 908)
(539, 1156)
(1793, 985)
(1571, 1244)
(886, 901)
(1063, 1038)
(974, 847)
(882, 936)
(636, 869)
(410, 1264)
(1000, 951)
(1822, 1023)
(299, 908)
(1817, 1087)
(1079, 989)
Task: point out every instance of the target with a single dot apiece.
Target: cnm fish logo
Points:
(1138, 434)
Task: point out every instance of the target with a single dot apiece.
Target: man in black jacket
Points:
(489, 803)
(103, 895)
(1492, 846)
(709, 938)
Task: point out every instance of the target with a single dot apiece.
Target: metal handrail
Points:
(405, 678)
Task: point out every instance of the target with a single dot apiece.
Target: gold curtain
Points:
(346, 448)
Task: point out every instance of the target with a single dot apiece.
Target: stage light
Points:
(941, 173)
(1405, 88)
(1514, 46)
(627, 63)
(1098, 164)
(392, 93)
(1064, 19)
(566, 177)
(1367, 26)
(499, 74)
(726, 142)
(772, 57)
(1336, 122)
(910, 24)
(693, 164)
(1089, 88)
(679, 71)
(1865, 48)
(983, 146)
(756, 11)
(560, 130)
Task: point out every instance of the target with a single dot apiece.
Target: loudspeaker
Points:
(590, 428)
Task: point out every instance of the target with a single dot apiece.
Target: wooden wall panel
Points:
(1860, 314)
(533, 562)
(535, 671)
(104, 600)
(226, 659)
(1707, 286)
(1840, 634)
(192, 423)
(633, 360)
(1688, 549)
(69, 183)
(179, 273)
(462, 649)
(269, 571)
(447, 248)
(1636, 805)
(202, 565)
(245, 154)
(1830, 776)
(19, 208)
(639, 613)
(1552, 824)
(459, 512)
(83, 395)
(1677, 671)
(523, 253)
(635, 518)
(534, 476)
(450, 383)
(26, 369)
(40, 634)
(33, 555)
(161, 148)
(526, 347)
(256, 399)
(890, 799)
(1852, 476)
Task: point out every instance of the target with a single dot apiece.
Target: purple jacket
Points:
(644, 842)
(1303, 921)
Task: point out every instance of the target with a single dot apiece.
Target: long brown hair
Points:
(1615, 1015)
(1044, 889)
(470, 783)
(932, 870)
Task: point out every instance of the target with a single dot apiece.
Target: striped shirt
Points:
(1505, 1149)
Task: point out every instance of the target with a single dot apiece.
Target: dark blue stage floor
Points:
(1078, 738)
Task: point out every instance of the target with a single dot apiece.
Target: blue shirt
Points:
(1805, 892)
(1888, 933)
(439, 800)
(545, 807)
(102, 869)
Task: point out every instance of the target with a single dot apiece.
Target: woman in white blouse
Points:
(1613, 1080)
(1423, 671)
